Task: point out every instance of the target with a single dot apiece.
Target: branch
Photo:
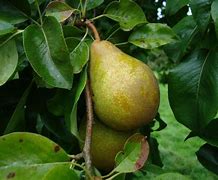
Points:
(89, 123)
(89, 111)
(92, 27)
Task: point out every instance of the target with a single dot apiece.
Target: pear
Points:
(106, 143)
(125, 90)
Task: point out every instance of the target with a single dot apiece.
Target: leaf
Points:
(162, 124)
(23, 6)
(33, 1)
(79, 86)
(214, 14)
(29, 156)
(152, 35)
(193, 87)
(79, 57)
(39, 171)
(9, 60)
(134, 156)
(186, 29)
(47, 53)
(173, 6)
(120, 12)
(10, 13)
(72, 31)
(91, 4)
(201, 12)
(72, 43)
(154, 154)
(17, 121)
(208, 157)
(6, 28)
(60, 10)
(210, 133)
(28, 149)
(61, 172)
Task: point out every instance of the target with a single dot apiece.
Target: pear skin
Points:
(106, 143)
(125, 90)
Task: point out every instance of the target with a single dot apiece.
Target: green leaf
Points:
(78, 88)
(134, 156)
(61, 172)
(9, 60)
(127, 13)
(173, 6)
(201, 12)
(60, 10)
(72, 43)
(79, 57)
(17, 121)
(29, 156)
(214, 14)
(48, 54)
(152, 35)
(39, 171)
(186, 29)
(23, 6)
(208, 157)
(6, 27)
(154, 154)
(193, 87)
(162, 124)
(171, 176)
(10, 13)
(210, 133)
(33, 1)
(34, 147)
(72, 31)
(91, 4)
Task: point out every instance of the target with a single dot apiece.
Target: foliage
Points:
(44, 52)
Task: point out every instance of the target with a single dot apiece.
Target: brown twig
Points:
(89, 111)
(89, 123)
(76, 157)
(92, 27)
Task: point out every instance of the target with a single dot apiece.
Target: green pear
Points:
(106, 143)
(125, 90)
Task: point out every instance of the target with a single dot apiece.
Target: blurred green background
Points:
(179, 155)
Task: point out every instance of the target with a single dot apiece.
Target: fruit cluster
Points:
(125, 96)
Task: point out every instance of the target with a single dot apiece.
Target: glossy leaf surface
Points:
(30, 156)
(61, 11)
(79, 57)
(193, 87)
(9, 60)
(173, 6)
(5, 27)
(120, 11)
(48, 53)
(152, 35)
(214, 14)
(201, 12)
(134, 156)
(208, 156)
(10, 13)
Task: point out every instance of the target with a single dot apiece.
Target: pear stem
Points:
(92, 27)
(88, 139)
